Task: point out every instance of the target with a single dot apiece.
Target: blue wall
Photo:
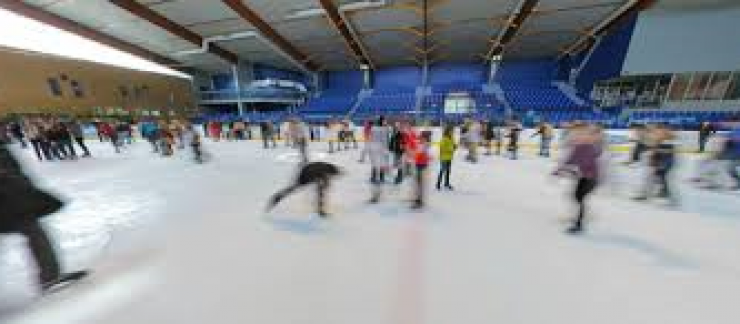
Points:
(342, 82)
(457, 75)
(397, 79)
(533, 71)
(608, 57)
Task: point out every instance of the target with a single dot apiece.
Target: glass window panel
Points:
(698, 85)
(717, 87)
(734, 92)
(679, 86)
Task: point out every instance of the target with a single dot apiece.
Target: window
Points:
(698, 84)
(54, 87)
(678, 87)
(123, 91)
(77, 89)
(733, 93)
(459, 104)
(718, 86)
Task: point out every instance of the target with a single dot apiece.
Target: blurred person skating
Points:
(150, 131)
(366, 140)
(77, 132)
(57, 137)
(191, 135)
(733, 154)
(67, 140)
(379, 157)
(662, 162)
(515, 128)
(447, 149)
(473, 141)
(16, 130)
(582, 163)
(706, 130)
(35, 136)
(422, 157)
(640, 138)
(396, 148)
(545, 132)
(297, 133)
(23, 207)
(267, 134)
(110, 133)
(318, 173)
(488, 136)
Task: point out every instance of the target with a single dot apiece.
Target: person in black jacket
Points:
(395, 146)
(23, 206)
(319, 173)
(706, 130)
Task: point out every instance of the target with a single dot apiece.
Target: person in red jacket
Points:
(107, 129)
(421, 157)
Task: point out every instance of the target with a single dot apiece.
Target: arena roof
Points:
(339, 34)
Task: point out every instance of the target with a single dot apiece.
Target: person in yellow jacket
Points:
(447, 149)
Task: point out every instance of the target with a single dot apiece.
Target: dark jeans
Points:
(702, 143)
(46, 148)
(81, 142)
(37, 147)
(637, 152)
(321, 186)
(420, 170)
(302, 146)
(69, 147)
(267, 138)
(583, 188)
(734, 165)
(57, 150)
(444, 172)
(545, 147)
(42, 251)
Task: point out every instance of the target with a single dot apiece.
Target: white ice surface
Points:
(175, 242)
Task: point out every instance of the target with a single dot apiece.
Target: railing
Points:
(252, 95)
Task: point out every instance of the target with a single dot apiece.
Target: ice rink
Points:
(170, 241)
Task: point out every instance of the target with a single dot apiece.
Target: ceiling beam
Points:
(585, 42)
(271, 34)
(78, 29)
(345, 30)
(146, 13)
(514, 23)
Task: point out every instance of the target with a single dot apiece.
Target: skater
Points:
(447, 149)
(732, 155)
(488, 137)
(378, 151)
(545, 132)
(267, 132)
(583, 163)
(297, 133)
(662, 161)
(514, 129)
(75, 129)
(196, 143)
(396, 147)
(16, 130)
(111, 134)
(366, 138)
(706, 130)
(421, 161)
(640, 138)
(36, 137)
(23, 207)
(318, 173)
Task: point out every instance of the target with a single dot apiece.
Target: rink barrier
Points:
(618, 139)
